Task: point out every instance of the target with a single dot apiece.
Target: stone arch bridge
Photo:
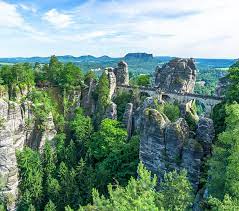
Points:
(208, 101)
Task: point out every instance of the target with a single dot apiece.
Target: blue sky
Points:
(185, 28)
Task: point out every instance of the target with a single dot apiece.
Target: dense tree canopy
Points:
(82, 158)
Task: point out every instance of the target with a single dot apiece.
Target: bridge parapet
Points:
(208, 101)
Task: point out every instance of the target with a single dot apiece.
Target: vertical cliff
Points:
(16, 130)
(166, 145)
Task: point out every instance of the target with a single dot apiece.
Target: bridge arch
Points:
(208, 101)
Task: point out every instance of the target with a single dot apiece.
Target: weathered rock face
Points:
(16, 130)
(152, 141)
(112, 81)
(12, 137)
(176, 134)
(111, 111)
(192, 161)
(167, 146)
(39, 136)
(138, 117)
(178, 75)
(188, 111)
(88, 102)
(205, 133)
(128, 118)
(122, 73)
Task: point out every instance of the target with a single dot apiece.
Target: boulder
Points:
(178, 75)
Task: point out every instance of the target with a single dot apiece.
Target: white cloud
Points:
(27, 7)
(197, 28)
(9, 16)
(57, 19)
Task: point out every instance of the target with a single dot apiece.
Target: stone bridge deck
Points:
(208, 101)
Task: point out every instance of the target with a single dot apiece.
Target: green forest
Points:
(94, 165)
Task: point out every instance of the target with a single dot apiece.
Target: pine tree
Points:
(50, 206)
(102, 98)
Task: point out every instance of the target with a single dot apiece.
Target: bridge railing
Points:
(143, 88)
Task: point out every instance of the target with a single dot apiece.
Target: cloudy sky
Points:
(185, 28)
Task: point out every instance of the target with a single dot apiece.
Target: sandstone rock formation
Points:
(188, 111)
(16, 131)
(12, 137)
(88, 103)
(178, 75)
(112, 81)
(111, 111)
(205, 133)
(128, 119)
(152, 142)
(167, 146)
(38, 137)
(122, 74)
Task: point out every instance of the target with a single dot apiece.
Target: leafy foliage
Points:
(169, 109)
(224, 172)
(140, 194)
(233, 90)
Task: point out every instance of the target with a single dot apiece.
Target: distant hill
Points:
(138, 62)
(143, 56)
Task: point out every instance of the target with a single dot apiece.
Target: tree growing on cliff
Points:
(102, 97)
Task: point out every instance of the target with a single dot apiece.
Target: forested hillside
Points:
(79, 151)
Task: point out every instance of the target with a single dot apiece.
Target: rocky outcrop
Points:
(12, 138)
(189, 113)
(112, 81)
(149, 102)
(167, 146)
(41, 133)
(205, 133)
(192, 156)
(111, 111)
(152, 142)
(128, 119)
(178, 75)
(176, 134)
(16, 130)
(88, 102)
(122, 73)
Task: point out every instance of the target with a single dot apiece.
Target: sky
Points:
(183, 28)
